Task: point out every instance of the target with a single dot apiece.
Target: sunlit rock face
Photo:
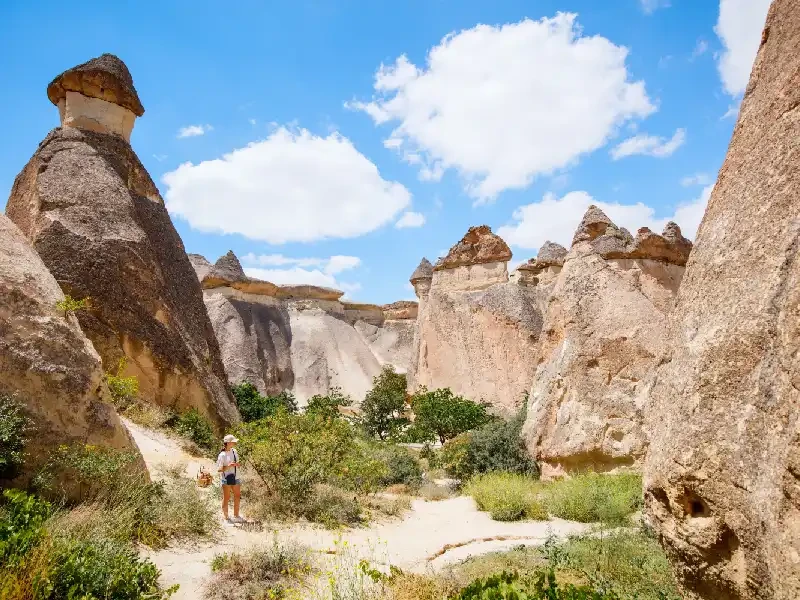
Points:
(94, 215)
(722, 477)
(476, 331)
(606, 303)
(301, 338)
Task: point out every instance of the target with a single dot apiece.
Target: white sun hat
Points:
(229, 439)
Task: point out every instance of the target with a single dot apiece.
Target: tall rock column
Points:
(722, 479)
(477, 332)
(97, 220)
(604, 327)
(421, 281)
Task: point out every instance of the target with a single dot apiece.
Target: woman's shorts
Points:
(222, 481)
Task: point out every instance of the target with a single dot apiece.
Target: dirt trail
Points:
(428, 537)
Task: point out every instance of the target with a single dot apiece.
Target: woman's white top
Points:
(224, 460)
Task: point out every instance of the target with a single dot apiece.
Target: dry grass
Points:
(384, 504)
(433, 492)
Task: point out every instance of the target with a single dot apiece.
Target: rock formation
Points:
(46, 361)
(477, 332)
(722, 478)
(301, 337)
(604, 327)
(97, 220)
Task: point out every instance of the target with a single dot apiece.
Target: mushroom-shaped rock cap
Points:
(105, 77)
(423, 271)
(593, 224)
(478, 246)
(226, 270)
(551, 254)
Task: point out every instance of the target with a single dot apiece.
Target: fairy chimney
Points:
(97, 95)
(421, 279)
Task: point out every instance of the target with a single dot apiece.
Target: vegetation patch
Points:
(15, 428)
(594, 497)
(507, 496)
(253, 406)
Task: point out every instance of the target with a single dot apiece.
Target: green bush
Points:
(506, 496)
(440, 414)
(540, 586)
(456, 458)
(498, 446)
(195, 427)
(70, 305)
(593, 497)
(15, 426)
(401, 466)
(124, 390)
(22, 519)
(328, 406)
(253, 406)
(383, 411)
(333, 507)
(88, 569)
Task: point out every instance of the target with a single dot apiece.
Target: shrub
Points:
(260, 573)
(401, 466)
(124, 390)
(456, 458)
(442, 415)
(70, 305)
(15, 426)
(541, 586)
(384, 407)
(506, 496)
(593, 497)
(333, 507)
(253, 406)
(498, 446)
(329, 406)
(195, 427)
(433, 492)
(100, 569)
(21, 525)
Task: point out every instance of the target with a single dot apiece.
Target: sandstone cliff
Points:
(301, 337)
(46, 361)
(477, 331)
(604, 327)
(106, 234)
(722, 478)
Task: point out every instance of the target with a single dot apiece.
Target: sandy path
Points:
(429, 536)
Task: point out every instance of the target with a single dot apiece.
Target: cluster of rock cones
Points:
(636, 352)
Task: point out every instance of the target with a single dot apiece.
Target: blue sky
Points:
(337, 142)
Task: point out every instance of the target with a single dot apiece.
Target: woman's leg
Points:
(237, 494)
(226, 498)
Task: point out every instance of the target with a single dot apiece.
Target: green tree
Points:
(384, 407)
(71, 305)
(253, 406)
(328, 406)
(14, 429)
(443, 415)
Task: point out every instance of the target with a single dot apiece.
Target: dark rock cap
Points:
(550, 255)
(105, 77)
(423, 271)
(478, 246)
(593, 224)
(225, 271)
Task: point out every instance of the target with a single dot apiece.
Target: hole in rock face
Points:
(694, 506)
(593, 363)
(617, 436)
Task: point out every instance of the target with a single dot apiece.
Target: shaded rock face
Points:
(46, 361)
(722, 478)
(604, 328)
(301, 338)
(476, 331)
(98, 222)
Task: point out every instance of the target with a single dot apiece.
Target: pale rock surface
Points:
(722, 478)
(46, 361)
(604, 327)
(96, 218)
(476, 332)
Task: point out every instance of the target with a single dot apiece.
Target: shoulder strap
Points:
(235, 459)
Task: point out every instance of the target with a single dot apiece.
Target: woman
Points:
(227, 465)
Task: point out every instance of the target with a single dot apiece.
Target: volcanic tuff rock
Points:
(722, 477)
(300, 337)
(476, 331)
(604, 327)
(46, 360)
(99, 224)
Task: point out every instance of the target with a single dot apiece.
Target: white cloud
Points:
(298, 271)
(292, 186)
(193, 130)
(739, 29)
(501, 105)
(651, 6)
(697, 179)
(252, 121)
(410, 219)
(160, 157)
(732, 112)
(649, 145)
(556, 219)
